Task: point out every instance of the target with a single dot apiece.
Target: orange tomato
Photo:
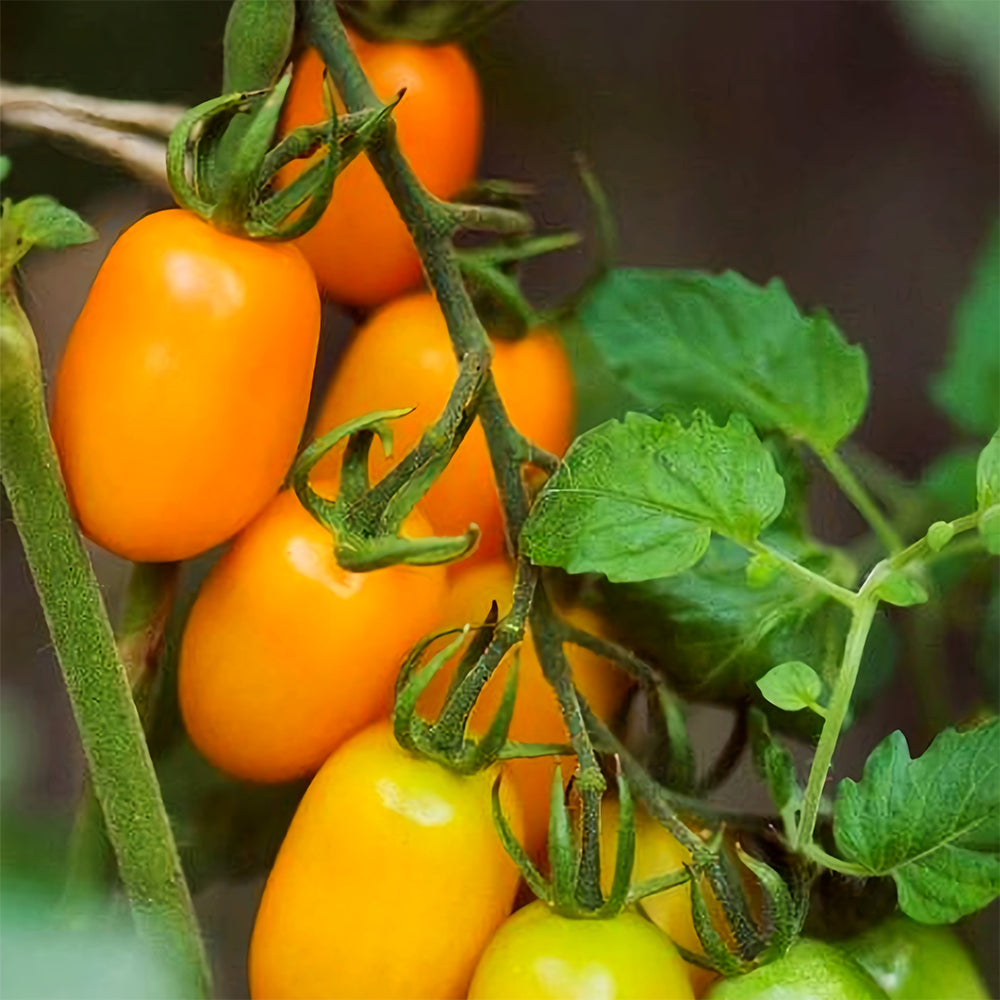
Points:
(285, 654)
(360, 249)
(537, 718)
(402, 356)
(390, 881)
(181, 396)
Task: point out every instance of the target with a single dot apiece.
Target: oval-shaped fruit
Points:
(360, 249)
(912, 961)
(401, 357)
(390, 882)
(810, 971)
(285, 654)
(539, 955)
(181, 396)
(537, 718)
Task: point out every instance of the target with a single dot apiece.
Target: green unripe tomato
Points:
(810, 971)
(912, 961)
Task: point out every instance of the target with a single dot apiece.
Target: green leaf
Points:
(932, 823)
(988, 474)
(967, 388)
(791, 686)
(989, 529)
(712, 636)
(901, 589)
(949, 483)
(45, 223)
(683, 339)
(640, 499)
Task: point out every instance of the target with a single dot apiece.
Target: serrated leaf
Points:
(640, 498)
(902, 590)
(988, 474)
(791, 686)
(932, 823)
(683, 339)
(967, 387)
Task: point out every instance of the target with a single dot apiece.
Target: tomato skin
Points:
(360, 249)
(285, 654)
(389, 883)
(810, 970)
(539, 955)
(537, 718)
(402, 356)
(912, 961)
(182, 393)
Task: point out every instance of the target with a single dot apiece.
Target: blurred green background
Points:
(850, 148)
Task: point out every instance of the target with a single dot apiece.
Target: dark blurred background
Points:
(850, 148)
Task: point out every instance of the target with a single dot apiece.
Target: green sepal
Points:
(489, 745)
(680, 771)
(516, 750)
(659, 883)
(563, 857)
(411, 684)
(618, 897)
(718, 954)
(780, 907)
(536, 882)
(480, 641)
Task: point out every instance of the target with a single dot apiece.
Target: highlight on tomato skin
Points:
(360, 249)
(402, 356)
(180, 399)
(285, 655)
(389, 883)
(537, 717)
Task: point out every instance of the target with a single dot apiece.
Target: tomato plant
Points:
(539, 955)
(670, 598)
(360, 249)
(191, 345)
(285, 654)
(389, 882)
(402, 357)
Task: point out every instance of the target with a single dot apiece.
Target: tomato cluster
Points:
(178, 409)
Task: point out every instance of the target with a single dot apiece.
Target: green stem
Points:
(110, 731)
(854, 647)
(858, 495)
(806, 575)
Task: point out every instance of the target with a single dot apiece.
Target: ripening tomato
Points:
(360, 249)
(285, 654)
(912, 961)
(402, 356)
(657, 852)
(810, 970)
(181, 396)
(389, 883)
(537, 718)
(539, 955)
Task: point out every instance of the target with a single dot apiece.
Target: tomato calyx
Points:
(364, 521)
(220, 166)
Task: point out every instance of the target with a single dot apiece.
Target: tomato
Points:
(181, 396)
(285, 654)
(810, 970)
(402, 356)
(912, 961)
(537, 718)
(360, 249)
(539, 955)
(389, 883)
(657, 852)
